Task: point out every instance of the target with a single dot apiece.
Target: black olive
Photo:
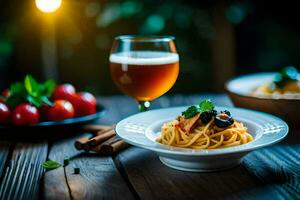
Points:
(226, 112)
(205, 117)
(213, 112)
(223, 123)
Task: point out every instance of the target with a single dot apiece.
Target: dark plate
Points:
(77, 121)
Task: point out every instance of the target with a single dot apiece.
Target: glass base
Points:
(144, 105)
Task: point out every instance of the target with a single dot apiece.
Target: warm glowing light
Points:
(48, 6)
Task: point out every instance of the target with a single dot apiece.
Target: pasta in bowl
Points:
(206, 129)
(144, 130)
(275, 93)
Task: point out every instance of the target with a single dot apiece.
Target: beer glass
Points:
(144, 67)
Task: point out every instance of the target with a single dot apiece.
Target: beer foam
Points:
(144, 58)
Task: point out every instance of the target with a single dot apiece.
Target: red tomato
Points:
(25, 114)
(4, 114)
(44, 112)
(85, 104)
(64, 92)
(5, 93)
(60, 110)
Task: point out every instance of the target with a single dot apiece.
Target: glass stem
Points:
(144, 106)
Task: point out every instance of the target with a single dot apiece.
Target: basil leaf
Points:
(47, 88)
(45, 100)
(50, 165)
(13, 100)
(31, 85)
(17, 88)
(190, 112)
(36, 101)
(206, 105)
(17, 95)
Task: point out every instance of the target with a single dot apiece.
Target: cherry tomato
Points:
(25, 114)
(5, 93)
(64, 92)
(4, 114)
(44, 112)
(85, 104)
(60, 110)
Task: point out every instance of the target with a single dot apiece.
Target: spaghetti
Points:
(201, 135)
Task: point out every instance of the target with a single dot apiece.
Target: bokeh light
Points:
(48, 6)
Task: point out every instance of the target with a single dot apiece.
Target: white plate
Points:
(142, 129)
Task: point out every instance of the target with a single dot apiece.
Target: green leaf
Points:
(47, 88)
(46, 101)
(285, 76)
(190, 112)
(36, 101)
(13, 100)
(17, 88)
(206, 105)
(31, 85)
(50, 165)
(17, 95)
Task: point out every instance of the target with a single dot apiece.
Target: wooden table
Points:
(268, 173)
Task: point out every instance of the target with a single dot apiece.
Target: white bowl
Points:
(142, 129)
(285, 106)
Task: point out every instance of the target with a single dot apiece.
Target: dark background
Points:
(216, 40)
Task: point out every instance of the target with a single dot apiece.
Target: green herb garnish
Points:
(190, 112)
(50, 165)
(66, 161)
(204, 106)
(30, 91)
(286, 75)
(76, 170)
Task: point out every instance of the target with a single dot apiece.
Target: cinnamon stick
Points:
(110, 146)
(80, 143)
(113, 148)
(100, 132)
(101, 138)
(93, 128)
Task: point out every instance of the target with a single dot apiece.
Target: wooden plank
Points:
(23, 174)
(54, 185)
(278, 166)
(98, 178)
(114, 105)
(151, 179)
(4, 152)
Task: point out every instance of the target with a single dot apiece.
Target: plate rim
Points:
(101, 110)
(164, 149)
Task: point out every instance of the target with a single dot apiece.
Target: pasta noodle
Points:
(204, 136)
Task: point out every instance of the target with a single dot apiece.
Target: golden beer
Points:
(144, 75)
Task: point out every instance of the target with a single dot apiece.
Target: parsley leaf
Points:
(206, 105)
(50, 165)
(190, 112)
